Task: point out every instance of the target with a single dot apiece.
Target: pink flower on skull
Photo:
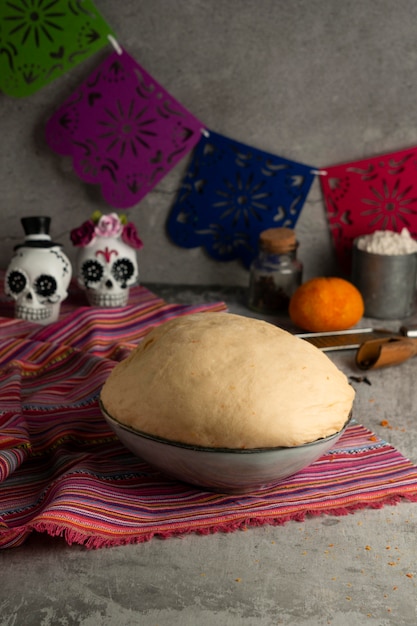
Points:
(109, 226)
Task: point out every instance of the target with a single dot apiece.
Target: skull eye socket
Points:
(122, 270)
(45, 285)
(92, 272)
(16, 282)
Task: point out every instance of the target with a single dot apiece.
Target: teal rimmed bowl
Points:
(222, 470)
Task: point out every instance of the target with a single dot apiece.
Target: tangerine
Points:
(326, 304)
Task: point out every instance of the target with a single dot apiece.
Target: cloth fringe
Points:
(94, 542)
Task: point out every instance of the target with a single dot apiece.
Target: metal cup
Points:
(387, 282)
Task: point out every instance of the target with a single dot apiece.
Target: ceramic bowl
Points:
(222, 470)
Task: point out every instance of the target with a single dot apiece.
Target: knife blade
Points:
(354, 337)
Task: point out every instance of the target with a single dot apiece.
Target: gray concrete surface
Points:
(318, 81)
(343, 571)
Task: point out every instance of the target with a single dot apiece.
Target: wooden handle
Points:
(377, 353)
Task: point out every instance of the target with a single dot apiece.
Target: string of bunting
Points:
(124, 132)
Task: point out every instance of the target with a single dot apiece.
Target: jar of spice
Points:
(276, 272)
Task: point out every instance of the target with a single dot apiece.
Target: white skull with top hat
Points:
(106, 262)
(39, 274)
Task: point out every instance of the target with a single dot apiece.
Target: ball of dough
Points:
(228, 381)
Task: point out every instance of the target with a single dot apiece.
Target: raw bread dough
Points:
(229, 381)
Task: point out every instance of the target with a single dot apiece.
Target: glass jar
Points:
(276, 272)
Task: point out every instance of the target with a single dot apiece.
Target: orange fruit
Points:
(326, 304)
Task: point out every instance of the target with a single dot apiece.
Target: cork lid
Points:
(278, 240)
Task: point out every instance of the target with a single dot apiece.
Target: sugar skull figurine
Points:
(39, 274)
(106, 262)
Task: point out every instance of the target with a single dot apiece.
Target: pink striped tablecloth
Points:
(63, 472)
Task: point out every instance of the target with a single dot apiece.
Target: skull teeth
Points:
(32, 315)
(107, 299)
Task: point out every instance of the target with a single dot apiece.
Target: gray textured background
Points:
(317, 81)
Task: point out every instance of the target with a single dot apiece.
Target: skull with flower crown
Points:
(38, 275)
(106, 262)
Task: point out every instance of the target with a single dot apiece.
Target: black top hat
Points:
(37, 232)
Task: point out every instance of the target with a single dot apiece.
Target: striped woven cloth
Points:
(63, 472)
